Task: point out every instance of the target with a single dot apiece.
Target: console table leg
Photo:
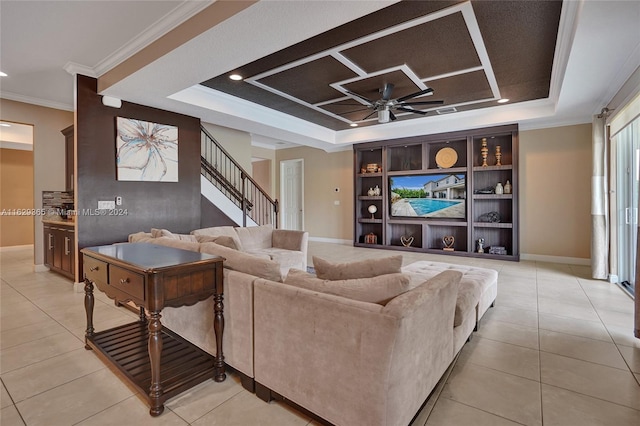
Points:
(155, 351)
(88, 307)
(218, 327)
(143, 316)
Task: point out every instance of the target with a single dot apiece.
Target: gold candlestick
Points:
(498, 156)
(484, 152)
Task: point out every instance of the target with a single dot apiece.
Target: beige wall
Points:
(267, 154)
(323, 172)
(235, 142)
(48, 153)
(555, 191)
(16, 192)
(261, 173)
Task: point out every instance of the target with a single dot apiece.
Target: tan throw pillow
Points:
(222, 240)
(244, 262)
(218, 231)
(378, 289)
(361, 269)
(159, 233)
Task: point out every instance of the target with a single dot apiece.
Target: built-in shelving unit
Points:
(448, 169)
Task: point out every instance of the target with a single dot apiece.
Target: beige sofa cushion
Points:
(255, 237)
(286, 258)
(139, 237)
(244, 262)
(361, 269)
(158, 233)
(222, 240)
(171, 242)
(217, 231)
(378, 289)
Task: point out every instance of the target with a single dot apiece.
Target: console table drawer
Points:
(127, 281)
(95, 270)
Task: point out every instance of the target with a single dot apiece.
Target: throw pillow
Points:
(244, 262)
(159, 233)
(361, 269)
(222, 240)
(378, 289)
(217, 231)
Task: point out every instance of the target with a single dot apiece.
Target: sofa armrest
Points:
(290, 240)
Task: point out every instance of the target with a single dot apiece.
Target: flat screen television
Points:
(432, 196)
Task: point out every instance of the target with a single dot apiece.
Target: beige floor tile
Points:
(591, 350)
(21, 314)
(561, 308)
(207, 396)
(591, 379)
(37, 350)
(247, 409)
(132, 411)
(590, 329)
(515, 301)
(504, 395)
(522, 317)
(28, 333)
(509, 333)
(9, 416)
(561, 407)
(5, 399)
(558, 291)
(631, 356)
(76, 400)
(616, 319)
(504, 357)
(623, 336)
(41, 376)
(452, 413)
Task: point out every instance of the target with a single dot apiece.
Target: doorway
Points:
(292, 194)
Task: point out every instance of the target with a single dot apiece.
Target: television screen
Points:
(437, 196)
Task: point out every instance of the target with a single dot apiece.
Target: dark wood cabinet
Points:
(69, 163)
(411, 193)
(59, 251)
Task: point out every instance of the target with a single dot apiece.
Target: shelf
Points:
(369, 197)
(492, 196)
(366, 175)
(492, 168)
(452, 170)
(493, 225)
(364, 220)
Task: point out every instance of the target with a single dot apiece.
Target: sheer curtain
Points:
(599, 201)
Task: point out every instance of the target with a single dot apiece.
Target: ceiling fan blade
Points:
(415, 111)
(414, 95)
(423, 103)
(392, 116)
(369, 101)
(374, 112)
(386, 92)
(355, 110)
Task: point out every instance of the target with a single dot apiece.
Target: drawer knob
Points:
(124, 280)
(93, 269)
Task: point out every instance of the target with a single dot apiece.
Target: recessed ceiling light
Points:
(235, 77)
(3, 74)
(5, 124)
(353, 124)
(503, 101)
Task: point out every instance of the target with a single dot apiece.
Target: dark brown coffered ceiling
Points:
(471, 53)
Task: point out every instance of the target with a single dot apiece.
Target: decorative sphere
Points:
(372, 209)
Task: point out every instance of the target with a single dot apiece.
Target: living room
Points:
(555, 205)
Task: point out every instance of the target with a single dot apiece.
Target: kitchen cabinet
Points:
(59, 248)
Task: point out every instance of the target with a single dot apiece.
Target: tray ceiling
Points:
(470, 53)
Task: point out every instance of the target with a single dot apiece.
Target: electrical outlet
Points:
(118, 201)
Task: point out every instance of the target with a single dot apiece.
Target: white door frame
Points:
(283, 192)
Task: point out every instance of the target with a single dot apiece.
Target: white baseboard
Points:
(40, 268)
(78, 287)
(613, 278)
(331, 240)
(556, 259)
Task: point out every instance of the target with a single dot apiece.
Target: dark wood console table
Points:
(157, 361)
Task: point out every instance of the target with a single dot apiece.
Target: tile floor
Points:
(557, 349)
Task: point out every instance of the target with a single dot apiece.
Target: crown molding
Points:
(566, 34)
(162, 26)
(74, 69)
(35, 101)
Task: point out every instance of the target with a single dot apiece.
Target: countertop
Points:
(59, 222)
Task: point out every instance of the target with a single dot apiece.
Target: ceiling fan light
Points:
(383, 116)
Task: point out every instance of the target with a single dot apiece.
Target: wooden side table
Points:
(157, 361)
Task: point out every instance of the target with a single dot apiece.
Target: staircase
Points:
(230, 188)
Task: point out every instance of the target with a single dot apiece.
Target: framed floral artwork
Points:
(146, 151)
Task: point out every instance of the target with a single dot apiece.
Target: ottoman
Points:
(478, 291)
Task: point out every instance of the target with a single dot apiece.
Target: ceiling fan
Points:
(384, 107)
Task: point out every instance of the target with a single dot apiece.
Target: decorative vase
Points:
(498, 156)
(507, 188)
(484, 152)
(499, 189)
(371, 192)
(376, 191)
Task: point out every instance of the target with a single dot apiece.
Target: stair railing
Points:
(235, 183)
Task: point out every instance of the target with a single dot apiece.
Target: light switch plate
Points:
(106, 205)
